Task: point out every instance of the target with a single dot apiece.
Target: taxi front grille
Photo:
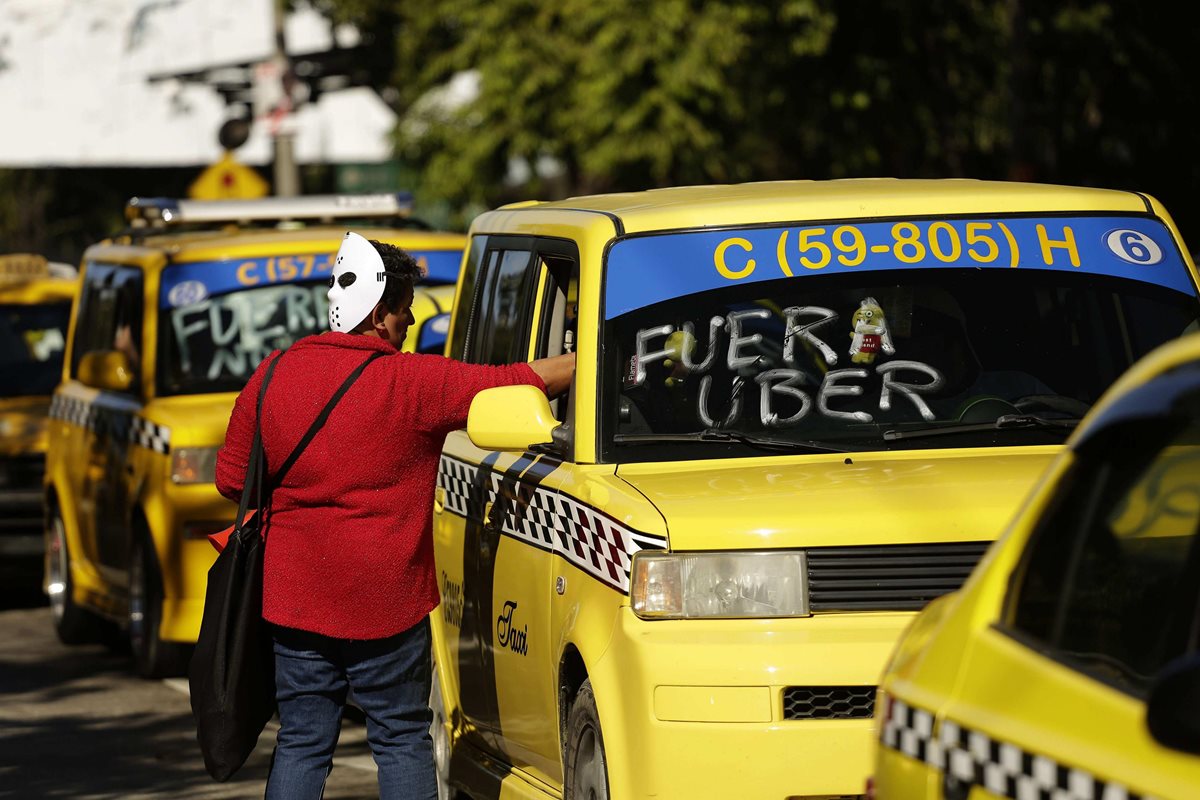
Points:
(829, 702)
(22, 472)
(900, 577)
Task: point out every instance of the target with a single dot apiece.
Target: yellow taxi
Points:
(35, 306)
(1069, 664)
(173, 316)
(802, 411)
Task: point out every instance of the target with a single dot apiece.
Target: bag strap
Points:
(319, 422)
(254, 468)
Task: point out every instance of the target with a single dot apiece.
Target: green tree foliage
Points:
(59, 212)
(23, 202)
(630, 95)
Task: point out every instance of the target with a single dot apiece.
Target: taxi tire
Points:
(586, 764)
(72, 623)
(152, 657)
(437, 732)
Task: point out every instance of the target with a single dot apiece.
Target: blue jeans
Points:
(390, 679)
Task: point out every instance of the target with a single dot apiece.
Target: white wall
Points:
(74, 89)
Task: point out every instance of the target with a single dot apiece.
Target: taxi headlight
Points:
(719, 585)
(194, 465)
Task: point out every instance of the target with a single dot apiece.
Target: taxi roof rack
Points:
(159, 212)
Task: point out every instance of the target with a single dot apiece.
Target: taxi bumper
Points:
(183, 601)
(181, 525)
(899, 776)
(21, 516)
(21, 523)
(706, 708)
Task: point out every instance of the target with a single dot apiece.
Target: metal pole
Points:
(287, 174)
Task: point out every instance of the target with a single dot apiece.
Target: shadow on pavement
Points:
(74, 723)
(118, 756)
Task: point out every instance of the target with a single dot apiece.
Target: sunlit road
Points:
(75, 723)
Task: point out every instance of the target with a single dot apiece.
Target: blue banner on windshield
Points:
(646, 270)
(188, 284)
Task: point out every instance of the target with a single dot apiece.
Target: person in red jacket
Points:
(348, 579)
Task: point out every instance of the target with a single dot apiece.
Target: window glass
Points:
(215, 344)
(466, 297)
(502, 321)
(94, 326)
(219, 319)
(560, 306)
(1109, 582)
(880, 335)
(911, 360)
(127, 315)
(110, 315)
(558, 327)
(32, 340)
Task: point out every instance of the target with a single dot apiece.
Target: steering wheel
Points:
(985, 408)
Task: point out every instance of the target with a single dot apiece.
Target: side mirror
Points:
(511, 418)
(1173, 708)
(106, 369)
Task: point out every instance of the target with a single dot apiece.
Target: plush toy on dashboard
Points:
(870, 334)
(680, 344)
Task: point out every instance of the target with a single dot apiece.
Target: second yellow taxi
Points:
(173, 316)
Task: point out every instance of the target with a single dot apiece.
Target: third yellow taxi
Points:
(35, 305)
(801, 411)
(1069, 664)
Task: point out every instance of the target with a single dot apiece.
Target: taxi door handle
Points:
(439, 500)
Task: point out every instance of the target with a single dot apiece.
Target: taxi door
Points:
(114, 420)
(506, 661)
(1104, 597)
(84, 451)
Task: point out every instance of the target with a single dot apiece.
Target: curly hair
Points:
(402, 270)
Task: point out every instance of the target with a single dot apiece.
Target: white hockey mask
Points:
(357, 283)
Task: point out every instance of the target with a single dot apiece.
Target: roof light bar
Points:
(327, 207)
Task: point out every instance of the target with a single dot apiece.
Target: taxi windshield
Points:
(219, 319)
(32, 340)
(873, 355)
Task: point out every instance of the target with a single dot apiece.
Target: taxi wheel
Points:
(74, 625)
(441, 740)
(152, 657)
(587, 768)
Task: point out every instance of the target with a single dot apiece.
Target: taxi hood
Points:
(194, 420)
(857, 499)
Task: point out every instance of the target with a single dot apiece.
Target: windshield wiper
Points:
(1004, 422)
(716, 435)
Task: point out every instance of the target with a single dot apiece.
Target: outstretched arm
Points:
(555, 372)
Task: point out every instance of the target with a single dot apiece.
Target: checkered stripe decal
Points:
(584, 536)
(455, 478)
(150, 435)
(1004, 769)
(120, 424)
(73, 410)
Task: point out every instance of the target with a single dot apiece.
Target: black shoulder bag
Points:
(232, 672)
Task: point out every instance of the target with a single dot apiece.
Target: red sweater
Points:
(349, 546)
